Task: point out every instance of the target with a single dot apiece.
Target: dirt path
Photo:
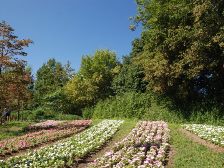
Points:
(171, 155)
(197, 139)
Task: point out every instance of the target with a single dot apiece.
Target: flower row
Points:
(58, 124)
(65, 152)
(9, 146)
(215, 134)
(145, 146)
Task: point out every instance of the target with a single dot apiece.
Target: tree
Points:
(51, 77)
(131, 75)
(13, 77)
(93, 81)
(130, 78)
(183, 46)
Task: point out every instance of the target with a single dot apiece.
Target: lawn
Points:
(14, 128)
(191, 154)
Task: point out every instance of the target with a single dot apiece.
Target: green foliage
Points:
(93, 81)
(88, 112)
(183, 47)
(67, 117)
(12, 129)
(58, 102)
(50, 77)
(130, 78)
(41, 113)
(153, 107)
(204, 112)
(134, 105)
(44, 113)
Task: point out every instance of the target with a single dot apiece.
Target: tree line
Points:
(179, 55)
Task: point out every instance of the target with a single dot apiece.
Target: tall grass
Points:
(134, 106)
(146, 106)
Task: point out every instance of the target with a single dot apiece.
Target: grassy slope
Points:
(189, 154)
(12, 129)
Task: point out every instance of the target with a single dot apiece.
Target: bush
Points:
(67, 117)
(58, 102)
(43, 113)
(143, 106)
(88, 112)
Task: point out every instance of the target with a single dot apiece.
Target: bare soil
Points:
(171, 155)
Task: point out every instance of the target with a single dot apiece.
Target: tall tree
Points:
(130, 78)
(131, 75)
(183, 46)
(51, 77)
(93, 81)
(13, 77)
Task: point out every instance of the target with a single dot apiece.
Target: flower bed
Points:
(215, 134)
(65, 152)
(145, 146)
(30, 140)
(9, 146)
(49, 124)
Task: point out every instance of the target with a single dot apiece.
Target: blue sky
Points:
(68, 29)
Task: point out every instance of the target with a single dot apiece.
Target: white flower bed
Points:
(65, 152)
(211, 133)
(145, 146)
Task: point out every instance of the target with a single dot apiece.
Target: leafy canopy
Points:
(93, 81)
(183, 52)
(51, 77)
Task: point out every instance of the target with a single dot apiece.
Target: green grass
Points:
(12, 129)
(189, 154)
(124, 129)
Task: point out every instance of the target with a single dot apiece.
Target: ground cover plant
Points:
(65, 152)
(215, 134)
(145, 146)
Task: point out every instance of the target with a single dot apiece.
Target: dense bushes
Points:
(132, 105)
(43, 113)
(58, 102)
(146, 106)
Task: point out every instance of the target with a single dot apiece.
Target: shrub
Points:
(67, 117)
(135, 105)
(88, 112)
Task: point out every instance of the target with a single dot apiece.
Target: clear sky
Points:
(69, 29)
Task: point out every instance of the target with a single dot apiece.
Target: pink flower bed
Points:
(44, 125)
(145, 146)
(58, 124)
(33, 139)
